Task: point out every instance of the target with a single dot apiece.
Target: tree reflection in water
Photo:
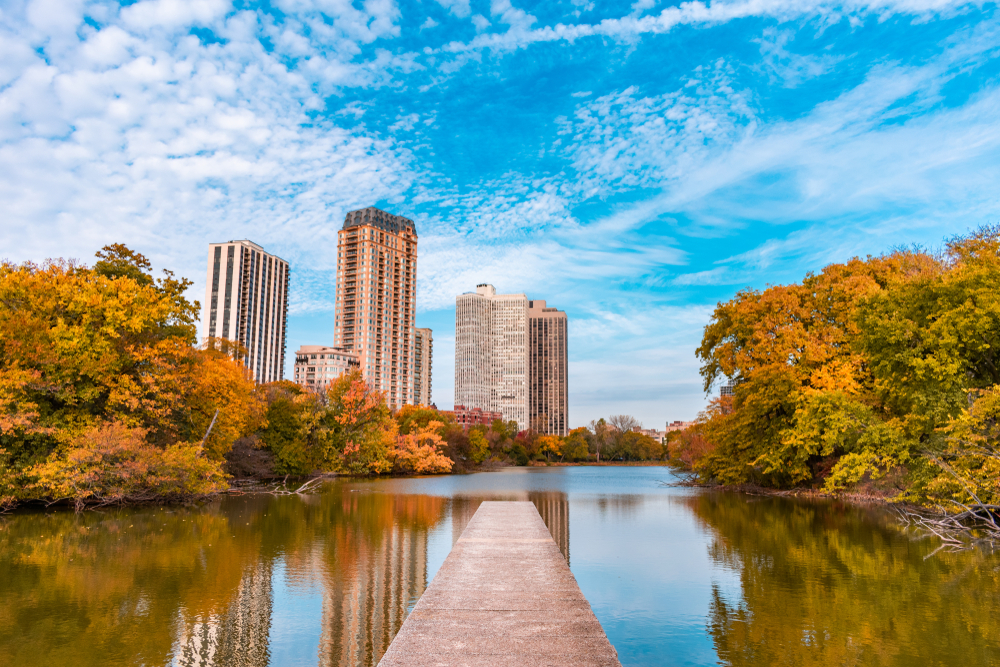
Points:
(193, 587)
(826, 583)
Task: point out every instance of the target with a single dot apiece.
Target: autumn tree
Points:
(364, 429)
(479, 446)
(420, 451)
(88, 350)
(575, 447)
(549, 446)
(868, 368)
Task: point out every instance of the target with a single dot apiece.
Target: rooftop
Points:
(394, 224)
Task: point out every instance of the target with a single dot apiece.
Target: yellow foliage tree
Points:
(112, 463)
(82, 348)
(549, 445)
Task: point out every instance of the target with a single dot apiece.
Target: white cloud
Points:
(481, 22)
(791, 68)
(174, 13)
(459, 8)
(429, 23)
(521, 35)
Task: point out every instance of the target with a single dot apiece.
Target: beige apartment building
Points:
(316, 366)
(423, 357)
(548, 397)
(376, 299)
(491, 353)
(246, 300)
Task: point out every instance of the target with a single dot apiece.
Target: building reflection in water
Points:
(238, 637)
(363, 612)
(554, 508)
(367, 554)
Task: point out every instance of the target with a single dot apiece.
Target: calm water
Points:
(676, 576)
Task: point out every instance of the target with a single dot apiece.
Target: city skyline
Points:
(636, 164)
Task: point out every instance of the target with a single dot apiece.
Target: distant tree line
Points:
(879, 375)
(106, 397)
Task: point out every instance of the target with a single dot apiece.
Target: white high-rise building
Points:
(246, 300)
(376, 299)
(491, 353)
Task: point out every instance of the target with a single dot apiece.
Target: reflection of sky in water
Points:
(295, 628)
(639, 556)
(676, 576)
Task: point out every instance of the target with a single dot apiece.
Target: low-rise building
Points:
(469, 417)
(677, 426)
(316, 366)
(659, 436)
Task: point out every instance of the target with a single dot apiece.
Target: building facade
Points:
(376, 299)
(469, 417)
(548, 397)
(423, 358)
(659, 436)
(677, 426)
(246, 300)
(316, 366)
(491, 353)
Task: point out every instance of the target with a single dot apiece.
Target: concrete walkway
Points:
(504, 597)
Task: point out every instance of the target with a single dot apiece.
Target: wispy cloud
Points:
(581, 157)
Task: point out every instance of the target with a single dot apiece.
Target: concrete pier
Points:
(504, 597)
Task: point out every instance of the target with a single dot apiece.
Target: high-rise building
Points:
(423, 357)
(246, 300)
(376, 298)
(548, 364)
(316, 366)
(491, 353)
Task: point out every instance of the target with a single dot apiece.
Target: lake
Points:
(677, 576)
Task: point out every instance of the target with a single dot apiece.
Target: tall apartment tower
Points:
(423, 357)
(246, 300)
(376, 298)
(491, 353)
(548, 397)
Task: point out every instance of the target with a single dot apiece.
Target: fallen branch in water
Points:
(974, 524)
(310, 486)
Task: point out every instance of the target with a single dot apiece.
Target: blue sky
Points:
(631, 163)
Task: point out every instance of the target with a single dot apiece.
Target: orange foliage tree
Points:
(420, 451)
(364, 429)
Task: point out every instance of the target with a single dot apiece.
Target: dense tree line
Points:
(878, 374)
(105, 397)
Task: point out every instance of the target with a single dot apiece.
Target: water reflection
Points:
(675, 576)
(825, 583)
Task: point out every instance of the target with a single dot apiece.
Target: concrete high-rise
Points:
(376, 298)
(423, 358)
(491, 353)
(548, 397)
(246, 300)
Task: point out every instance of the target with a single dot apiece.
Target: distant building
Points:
(659, 436)
(548, 392)
(316, 366)
(246, 300)
(677, 426)
(423, 356)
(726, 390)
(376, 298)
(469, 417)
(491, 353)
